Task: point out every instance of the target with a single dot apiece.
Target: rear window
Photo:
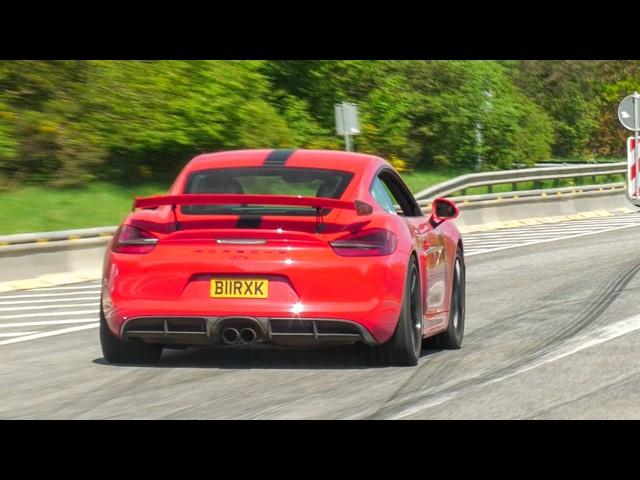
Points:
(307, 182)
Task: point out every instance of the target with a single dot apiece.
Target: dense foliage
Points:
(70, 122)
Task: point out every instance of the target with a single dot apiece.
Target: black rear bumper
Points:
(202, 331)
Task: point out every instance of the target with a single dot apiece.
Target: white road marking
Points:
(78, 287)
(41, 295)
(49, 334)
(46, 322)
(50, 314)
(49, 307)
(15, 334)
(50, 302)
(486, 245)
(480, 241)
(536, 242)
(574, 345)
(568, 224)
(513, 239)
(527, 234)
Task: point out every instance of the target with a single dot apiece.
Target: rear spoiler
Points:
(361, 208)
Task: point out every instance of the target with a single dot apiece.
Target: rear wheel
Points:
(116, 350)
(405, 346)
(452, 336)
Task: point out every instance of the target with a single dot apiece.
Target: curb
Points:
(44, 246)
(542, 220)
(51, 238)
(50, 280)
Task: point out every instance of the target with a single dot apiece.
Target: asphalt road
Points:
(553, 331)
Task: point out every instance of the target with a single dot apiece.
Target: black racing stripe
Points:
(277, 158)
(249, 221)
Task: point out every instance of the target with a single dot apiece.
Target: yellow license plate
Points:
(239, 288)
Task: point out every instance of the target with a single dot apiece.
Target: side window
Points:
(404, 202)
(381, 195)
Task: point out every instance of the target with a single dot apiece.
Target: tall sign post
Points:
(486, 108)
(347, 122)
(629, 116)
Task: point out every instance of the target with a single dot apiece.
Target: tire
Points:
(451, 338)
(405, 346)
(116, 350)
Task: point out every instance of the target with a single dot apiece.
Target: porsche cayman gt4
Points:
(284, 247)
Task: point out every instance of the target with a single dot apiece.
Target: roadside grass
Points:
(419, 180)
(37, 209)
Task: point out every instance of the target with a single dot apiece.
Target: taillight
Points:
(375, 242)
(129, 239)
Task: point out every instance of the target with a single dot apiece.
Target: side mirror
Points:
(443, 209)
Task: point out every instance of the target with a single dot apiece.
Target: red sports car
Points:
(285, 247)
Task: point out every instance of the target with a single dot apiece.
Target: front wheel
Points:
(452, 337)
(116, 350)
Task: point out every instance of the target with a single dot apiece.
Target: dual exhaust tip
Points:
(232, 336)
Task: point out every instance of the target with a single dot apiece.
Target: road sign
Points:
(631, 170)
(626, 113)
(347, 122)
(347, 119)
(629, 116)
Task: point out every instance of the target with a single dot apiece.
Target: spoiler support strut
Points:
(319, 221)
(175, 217)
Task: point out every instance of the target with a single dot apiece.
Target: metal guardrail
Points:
(566, 164)
(489, 179)
(524, 195)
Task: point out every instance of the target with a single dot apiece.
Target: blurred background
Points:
(79, 138)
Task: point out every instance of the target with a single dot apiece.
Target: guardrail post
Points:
(490, 188)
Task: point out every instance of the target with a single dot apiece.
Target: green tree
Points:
(568, 91)
(51, 140)
(455, 98)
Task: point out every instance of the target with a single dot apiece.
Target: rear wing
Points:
(361, 208)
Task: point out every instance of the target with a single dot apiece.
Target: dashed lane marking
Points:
(53, 303)
(52, 314)
(43, 295)
(43, 323)
(49, 307)
(49, 334)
